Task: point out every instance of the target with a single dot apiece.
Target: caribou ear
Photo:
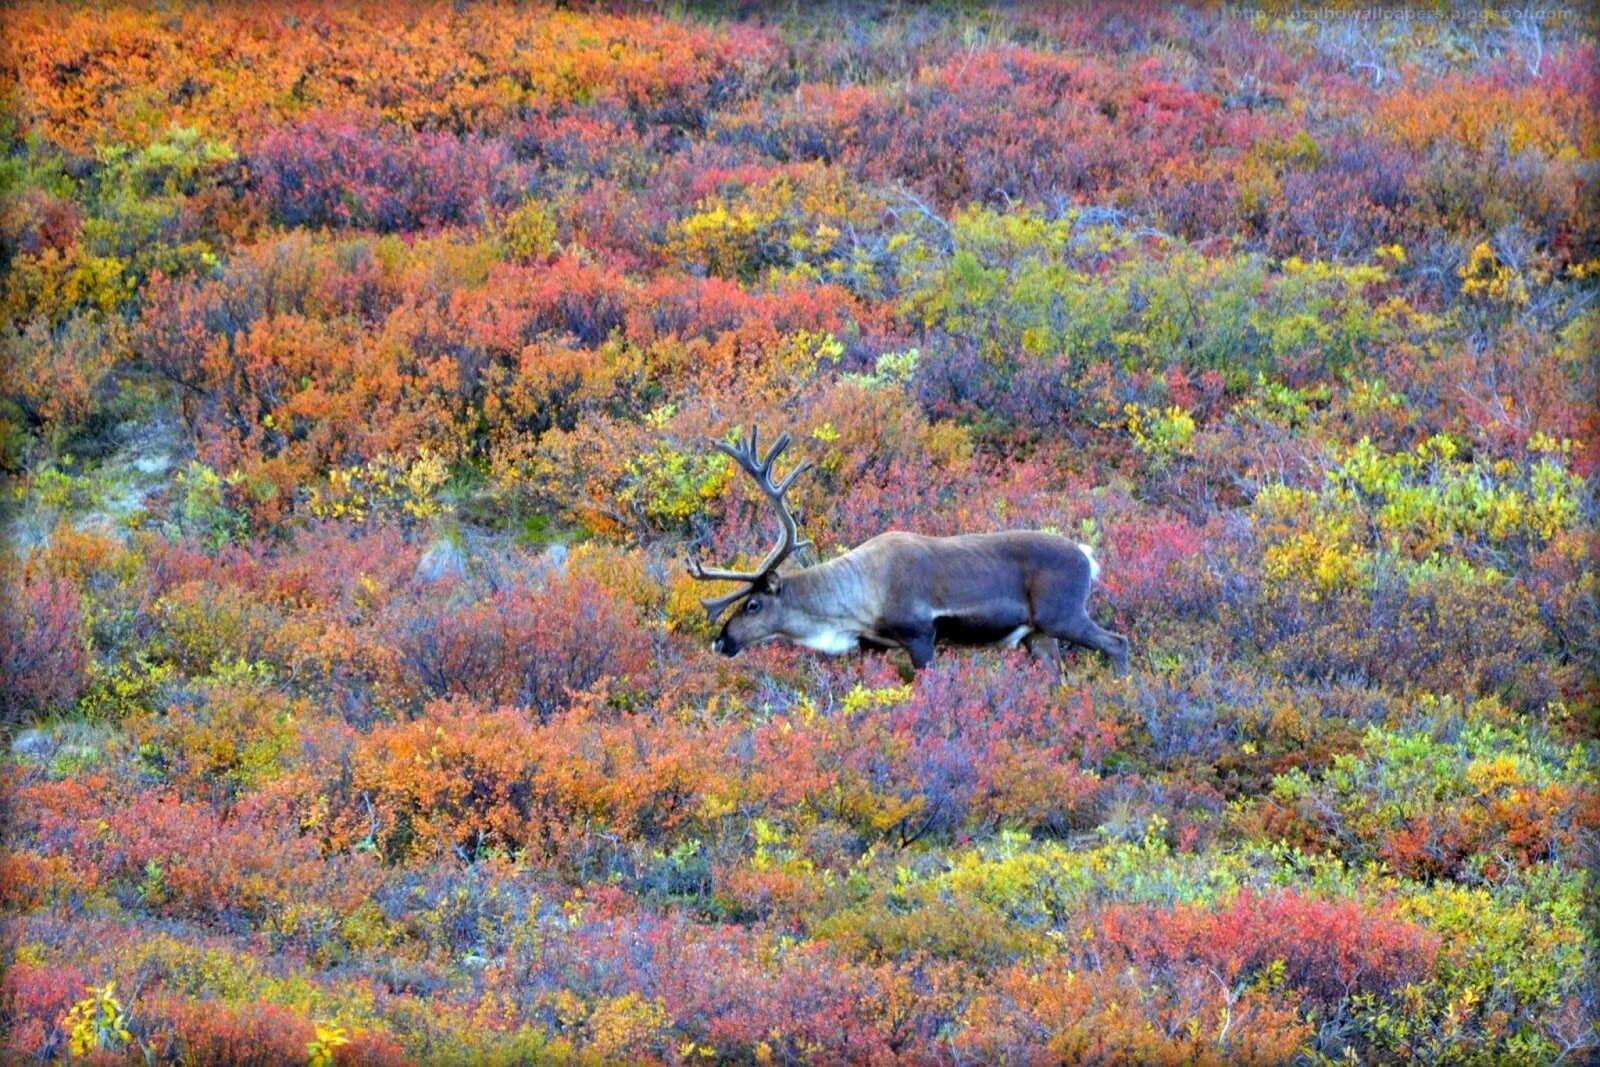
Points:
(773, 584)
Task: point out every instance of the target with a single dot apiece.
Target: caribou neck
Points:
(834, 592)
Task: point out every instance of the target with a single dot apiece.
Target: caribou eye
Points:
(752, 606)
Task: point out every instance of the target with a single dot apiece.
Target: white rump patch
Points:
(1094, 565)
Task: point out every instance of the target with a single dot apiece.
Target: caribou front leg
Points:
(920, 648)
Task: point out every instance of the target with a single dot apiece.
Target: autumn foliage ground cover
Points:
(357, 367)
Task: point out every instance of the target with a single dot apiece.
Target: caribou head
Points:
(761, 615)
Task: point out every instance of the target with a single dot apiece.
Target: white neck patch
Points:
(830, 642)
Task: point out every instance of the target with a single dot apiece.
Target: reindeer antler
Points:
(746, 455)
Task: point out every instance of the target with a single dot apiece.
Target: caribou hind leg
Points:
(1062, 606)
(1085, 633)
(1045, 649)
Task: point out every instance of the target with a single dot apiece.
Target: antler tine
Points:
(746, 449)
(773, 453)
(800, 468)
(717, 605)
(747, 454)
(717, 574)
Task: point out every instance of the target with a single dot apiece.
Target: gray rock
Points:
(443, 559)
(36, 745)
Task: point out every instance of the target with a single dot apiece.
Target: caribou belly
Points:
(948, 629)
(978, 630)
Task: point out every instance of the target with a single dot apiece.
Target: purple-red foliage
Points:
(1354, 200)
(330, 171)
(1331, 949)
(520, 303)
(1010, 124)
(32, 997)
(37, 220)
(976, 746)
(42, 655)
(731, 989)
(1027, 392)
(204, 1031)
(528, 645)
(182, 858)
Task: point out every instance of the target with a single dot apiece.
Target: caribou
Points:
(908, 591)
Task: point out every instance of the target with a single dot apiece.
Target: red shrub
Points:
(38, 220)
(1330, 949)
(344, 570)
(204, 1031)
(1062, 1012)
(42, 656)
(1154, 568)
(1011, 124)
(32, 999)
(976, 745)
(181, 858)
(526, 645)
(462, 780)
(329, 171)
(519, 304)
(738, 324)
(730, 990)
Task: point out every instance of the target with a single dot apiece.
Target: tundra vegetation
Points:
(358, 372)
